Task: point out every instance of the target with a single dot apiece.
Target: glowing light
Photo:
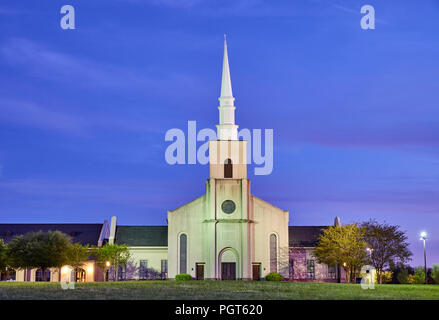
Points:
(108, 263)
(423, 235)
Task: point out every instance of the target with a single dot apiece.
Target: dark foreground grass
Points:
(215, 290)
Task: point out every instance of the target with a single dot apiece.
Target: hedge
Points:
(273, 277)
(183, 276)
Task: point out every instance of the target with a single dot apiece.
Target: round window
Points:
(228, 206)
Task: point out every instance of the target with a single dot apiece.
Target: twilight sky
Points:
(355, 113)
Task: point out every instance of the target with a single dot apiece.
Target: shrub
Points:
(386, 276)
(273, 277)
(419, 276)
(183, 276)
(403, 276)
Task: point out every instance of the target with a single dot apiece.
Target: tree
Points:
(39, 250)
(387, 276)
(3, 256)
(389, 246)
(403, 276)
(342, 245)
(435, 273)
(113, 255)
(76, 254)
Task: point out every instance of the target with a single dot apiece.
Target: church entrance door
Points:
(228, 271)
(256, 268)
(200, 271)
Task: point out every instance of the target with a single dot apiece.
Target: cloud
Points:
(424, 134)
(346, 9)
(42, 62)
(174, 3)
(240, 8)
(52, 117)
(8, 11)
(145, 194)
(33, 115)
(53, 65)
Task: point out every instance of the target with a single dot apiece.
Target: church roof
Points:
(80, 233)
(139, 236)
(304, 236)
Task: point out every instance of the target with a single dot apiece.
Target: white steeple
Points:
(226, 130)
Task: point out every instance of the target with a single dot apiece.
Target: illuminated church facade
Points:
(226, 234)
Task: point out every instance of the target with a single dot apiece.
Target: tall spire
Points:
(226, 84)
(227, 129)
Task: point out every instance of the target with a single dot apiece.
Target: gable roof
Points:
(139, 236)
(304, 236)
(80, 233)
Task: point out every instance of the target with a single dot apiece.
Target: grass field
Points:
(215, 290)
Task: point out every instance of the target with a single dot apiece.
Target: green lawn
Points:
(195, 290)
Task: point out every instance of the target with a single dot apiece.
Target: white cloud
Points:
(58, 66)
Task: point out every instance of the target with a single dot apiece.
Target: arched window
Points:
(273, 253)
(7, 274)
(183, 253)
(228, 168)
(80, 275)
(39, 276)
(122, 272)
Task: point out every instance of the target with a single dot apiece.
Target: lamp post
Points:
(108, 267)
(423, 237)
(370, 258)
(370, 252)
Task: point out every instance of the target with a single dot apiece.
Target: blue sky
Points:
(355, 113)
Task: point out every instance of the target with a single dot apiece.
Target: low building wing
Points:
(142, 236)
(80, 233)
(304, 236)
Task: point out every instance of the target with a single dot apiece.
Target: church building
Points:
(227, 233)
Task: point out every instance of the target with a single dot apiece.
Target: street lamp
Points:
(423, 237)
(108, 267)
(370, 252)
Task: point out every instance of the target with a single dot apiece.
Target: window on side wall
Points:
(332, 273)
(39, 276)
(291, 268)
(164, 269)
(273, 253)
(183, 253)
(143, 270)
(121, 273)
(310, 269)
